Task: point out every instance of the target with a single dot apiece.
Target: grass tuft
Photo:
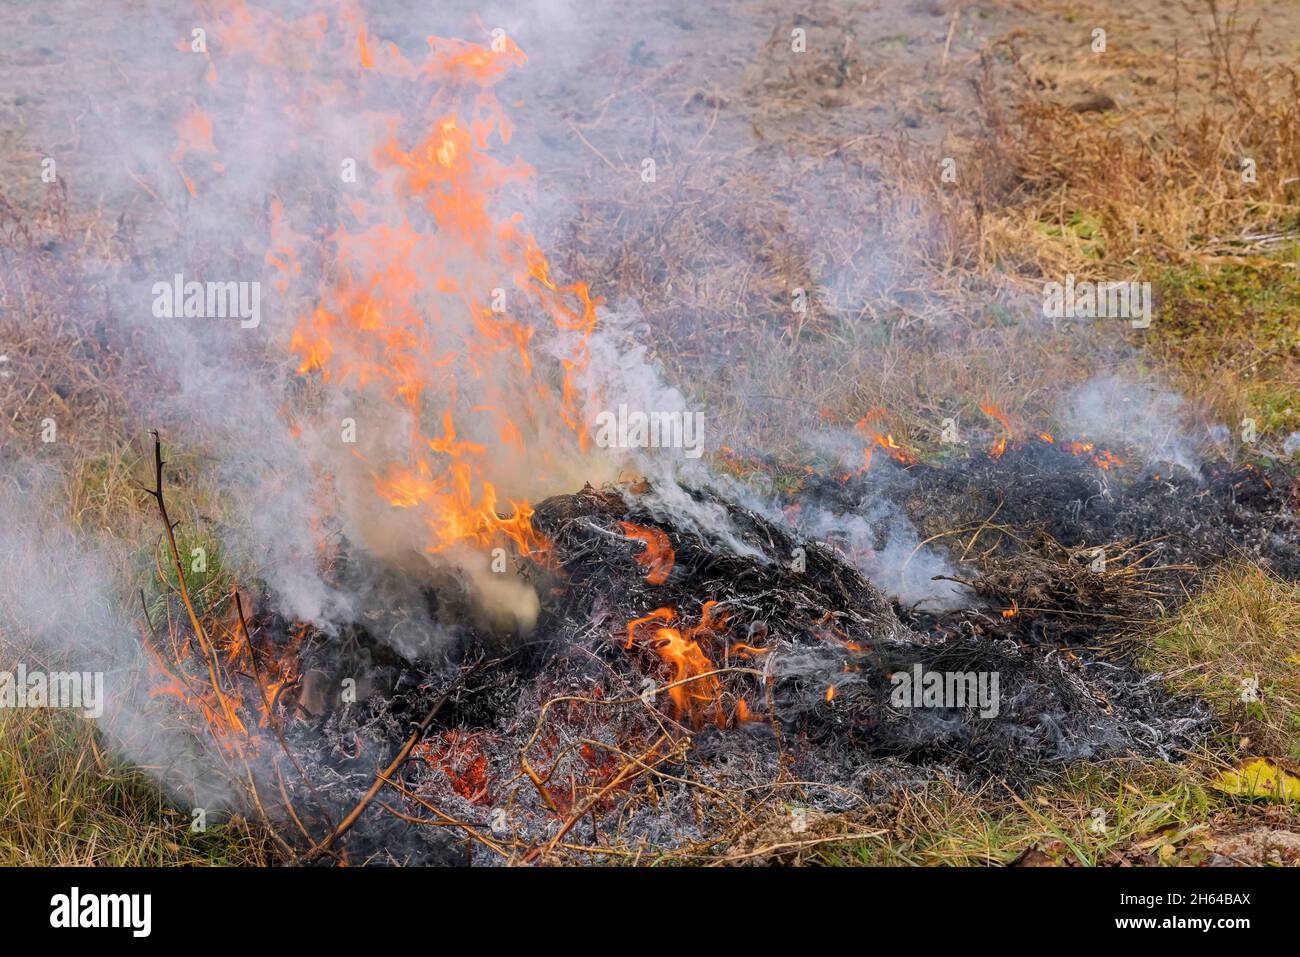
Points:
(65, 802)
(1244, 627)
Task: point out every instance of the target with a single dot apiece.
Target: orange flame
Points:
(1000, 446)
(1104, 458)
(414, 312)
(657, 557)
(245, 693)
(885, 441)
(697, 691)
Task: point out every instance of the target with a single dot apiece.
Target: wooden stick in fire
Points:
(274, 719)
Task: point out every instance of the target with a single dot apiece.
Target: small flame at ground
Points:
(696, 690)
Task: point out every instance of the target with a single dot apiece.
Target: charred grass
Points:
(1242, 625)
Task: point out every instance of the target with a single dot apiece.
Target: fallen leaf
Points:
(1260, 778)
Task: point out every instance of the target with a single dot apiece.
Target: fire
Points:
(246, 691)
(194, 135)
(885, 441)
(434, 299)
(827, 630)
(1011, 612)
(697, 699)
(1000, 446)
(899, 453)
(657, 557)
(1104, 458)
(421, 305)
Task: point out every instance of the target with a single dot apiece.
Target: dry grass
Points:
(925, 296)
(1244, 626)
(64, 801)
(1117, 813)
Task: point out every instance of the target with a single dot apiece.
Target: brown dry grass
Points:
(925, 296)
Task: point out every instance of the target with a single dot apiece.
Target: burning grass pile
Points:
(697, 668)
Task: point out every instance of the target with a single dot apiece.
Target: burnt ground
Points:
(573, 740)
(1032, 523)
(645, 771)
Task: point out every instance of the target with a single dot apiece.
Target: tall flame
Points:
(417, 312)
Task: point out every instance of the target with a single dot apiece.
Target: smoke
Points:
(881, 541)
(1154, 422)
(44, 563)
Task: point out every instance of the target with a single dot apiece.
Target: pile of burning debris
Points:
(695, 667)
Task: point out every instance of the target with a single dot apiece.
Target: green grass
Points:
(1232, 331)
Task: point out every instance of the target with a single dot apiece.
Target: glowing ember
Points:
(1104, 458)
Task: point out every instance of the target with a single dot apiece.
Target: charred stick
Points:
(271, 716)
